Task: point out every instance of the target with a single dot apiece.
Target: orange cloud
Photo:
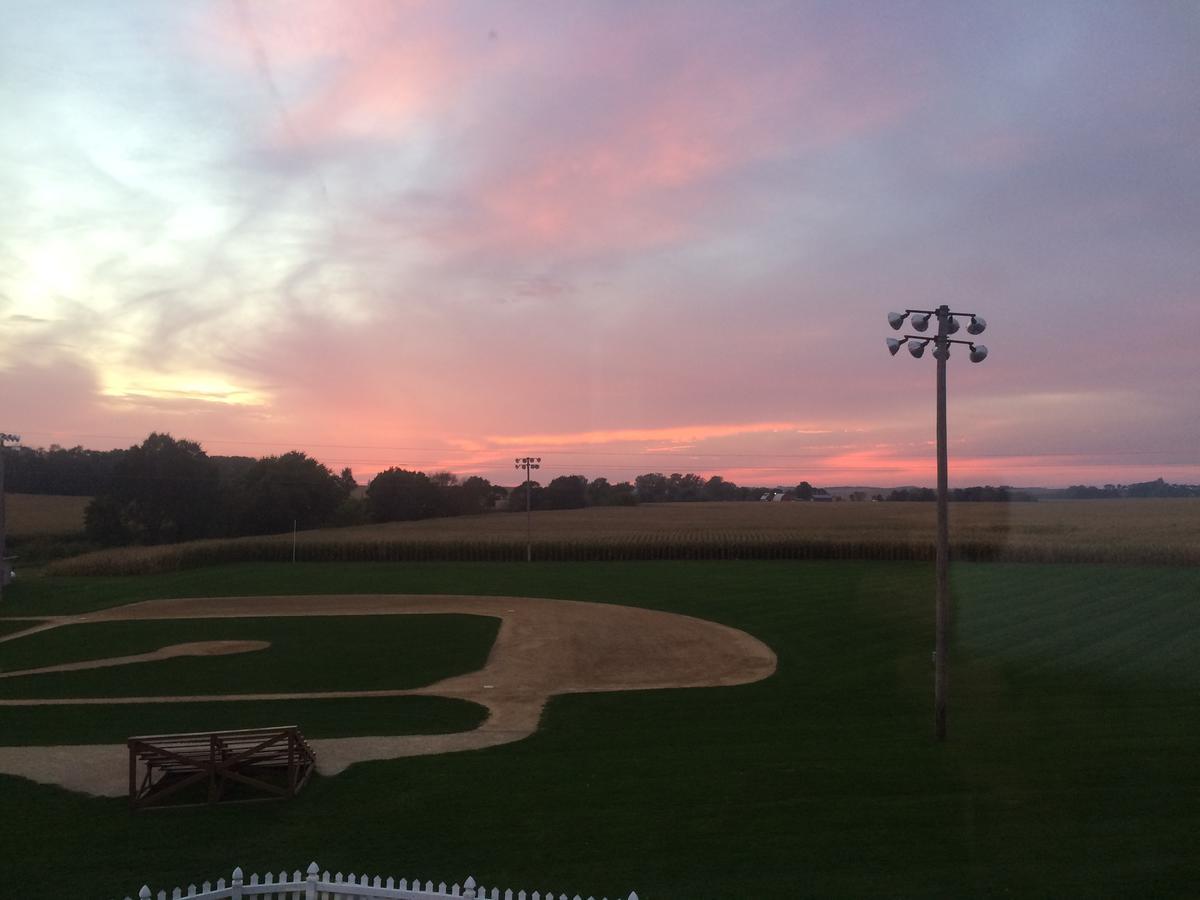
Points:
(684, 434)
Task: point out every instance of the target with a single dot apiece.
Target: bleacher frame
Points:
(275, 762)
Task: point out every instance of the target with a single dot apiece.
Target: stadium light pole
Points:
(528, 463)
(15, 438)
(947, 325)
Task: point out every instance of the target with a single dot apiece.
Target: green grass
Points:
(317, 653)
(109, 724)
(1070, 770)
(12, 626)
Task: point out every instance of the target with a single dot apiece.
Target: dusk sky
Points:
(624, 236)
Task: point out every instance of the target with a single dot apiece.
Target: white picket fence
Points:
(319, 885)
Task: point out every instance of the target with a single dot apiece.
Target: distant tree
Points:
(599, 492)
(717, 488)
(73, 471)
(651, 487)
(922, 494)
(1160, 488)
(478, 495)
(232, 469)
(623, 494)
(399, 495)
(858, 496)
(347, 482)
(804, 491)
(566, 492)
(684, 487)
(516, 497)
(161, 491)
(281, 490)
(351, 511)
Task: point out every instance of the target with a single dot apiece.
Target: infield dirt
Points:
(543, 648)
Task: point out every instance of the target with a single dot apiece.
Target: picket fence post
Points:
(236, 884)
(310, 889)
(469, 887)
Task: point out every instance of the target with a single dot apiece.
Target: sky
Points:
(624, 237)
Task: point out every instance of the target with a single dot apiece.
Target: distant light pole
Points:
(15, 438)
(528, 463)
(947, 325)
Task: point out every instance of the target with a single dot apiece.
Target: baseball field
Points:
(712, 729)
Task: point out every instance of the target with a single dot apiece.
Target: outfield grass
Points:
(1070, 770)
(307, 653)
(113, 724)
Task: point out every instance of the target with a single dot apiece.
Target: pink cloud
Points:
(364, 68)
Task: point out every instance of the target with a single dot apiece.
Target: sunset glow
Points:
(629, 238)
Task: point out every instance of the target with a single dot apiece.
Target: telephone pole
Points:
(3, 558)
(528, 463)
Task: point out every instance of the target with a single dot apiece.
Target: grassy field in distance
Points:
(1070, 769)
(43, 515)
(1150, 531)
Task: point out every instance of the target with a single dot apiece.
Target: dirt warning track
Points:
(543, 647)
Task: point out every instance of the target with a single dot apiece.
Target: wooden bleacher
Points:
(273, 763)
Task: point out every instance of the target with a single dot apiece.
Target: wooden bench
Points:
(275, 762)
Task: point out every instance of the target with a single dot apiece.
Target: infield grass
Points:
(1070, 769)
(344, 717)
(306, 653)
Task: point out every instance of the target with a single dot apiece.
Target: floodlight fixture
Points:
(917, 349)
(951, 325)
(977, 324)
(921, 322)
(896, 320)
(894, 345)
(942, 352)
(978, 353)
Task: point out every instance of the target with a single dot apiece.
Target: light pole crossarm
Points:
(934, 337)
(934, 312)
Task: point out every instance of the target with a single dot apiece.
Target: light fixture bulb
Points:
(894, 345)
(921, 323)
(896, 320)
(917, 349)
(978, 353)
(977, 324)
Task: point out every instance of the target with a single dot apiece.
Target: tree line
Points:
(1156, 488)
(167, 490)
(977, 494)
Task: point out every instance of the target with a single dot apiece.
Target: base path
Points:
(543, 648)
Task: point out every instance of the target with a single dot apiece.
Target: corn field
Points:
(1154, 532)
